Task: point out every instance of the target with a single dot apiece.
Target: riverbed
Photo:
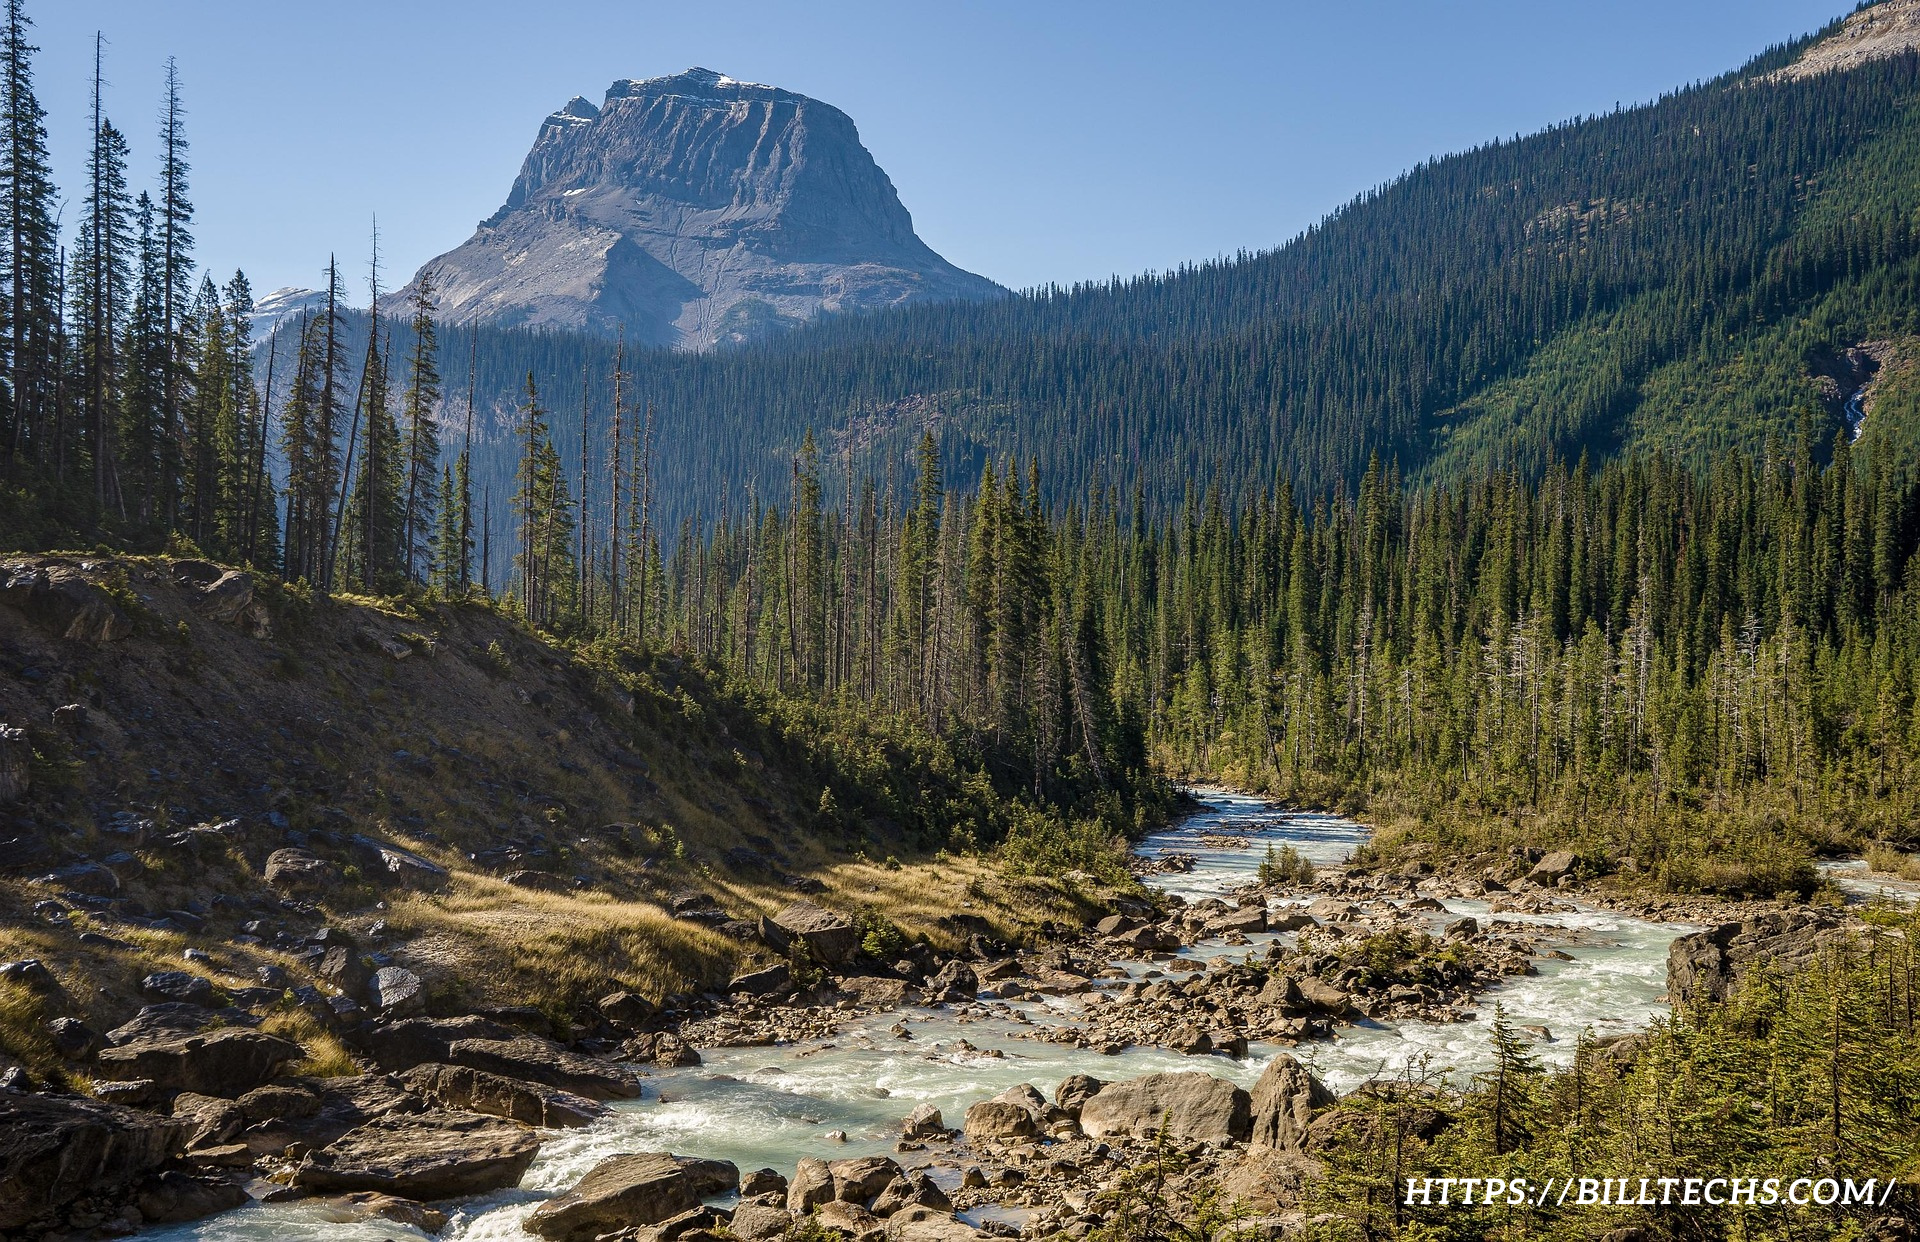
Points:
(845, 1096)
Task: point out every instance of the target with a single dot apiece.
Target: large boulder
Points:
(477, 1091)
(61, 599)
(1283, 1103)
(299, 869)
(226, 1061)
(172, 1197)
(1015, 1114)
(861, 1179)
(397, 992)
(423, 1156)
(397, 865)
(1191, 1107)
(829, 937)
(623, 1191)
(1706, 965)
(483, 1044)
(928, 1224)
(55, 1149)
(1550, 869)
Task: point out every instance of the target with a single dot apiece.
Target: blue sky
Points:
(1033, 142)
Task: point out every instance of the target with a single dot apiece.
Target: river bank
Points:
(844, 1095)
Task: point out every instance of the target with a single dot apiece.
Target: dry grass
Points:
(1886, 860)
(327, 1057)
(488, 942)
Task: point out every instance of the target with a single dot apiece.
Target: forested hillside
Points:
(1690, 274)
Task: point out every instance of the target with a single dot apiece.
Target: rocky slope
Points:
(692, 210)
(1890, 28)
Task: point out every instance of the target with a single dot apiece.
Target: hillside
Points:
(1682, 273)
(514, 822)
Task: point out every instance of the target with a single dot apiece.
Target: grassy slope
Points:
(641, 777)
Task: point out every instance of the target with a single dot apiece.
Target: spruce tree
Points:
(27, 207)
(421, 501)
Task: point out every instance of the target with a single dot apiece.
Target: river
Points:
(768, 1107)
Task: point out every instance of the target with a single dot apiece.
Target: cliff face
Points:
(694, 210)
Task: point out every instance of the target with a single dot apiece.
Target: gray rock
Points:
(693, 210)
(756, 1222)
(171, 1197)
(1016, 1113)
(72, 1038)
(297, 869)
(224, 1061)
(1283, 1103)
(56, 1149)
(1075, 1090)
(765, 982)
(1192, 1107)
(396, 992)
(620, 1192)
(812, 1185)
(397, 865)
(423, 1156)
(177, 986)
(476, 1091)
(1706, 965)
(829, 937)
(1549, 869)
(924, 1121)
(61, 599)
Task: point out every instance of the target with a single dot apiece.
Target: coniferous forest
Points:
(1562, 494)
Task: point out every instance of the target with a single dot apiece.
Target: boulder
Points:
(279, 1102)
(397, 865)
(1706, 965)
(395, 991)
(72, 1038)
(1009, 1115)
(1075, 1090)
(850, 1219)
(955, 980)
(620, 1192)
(912, 1188)
(1247, 920)
(342, 967)
(1192, 1107)
(298, 869)
(484, 1044)
(419, 1216)
(923, 1122)
(210, 1120)
(812, 1185)
(1324, 996)
(1115, 924)
(756, 1222)
(62, 600)
(31, 973)
(538, 881)
(1283, 1103)
(177, 986)
(925, 1224)
(1465, 927)
(829, 937)
(476, 1091)
(1548, 870)
(625, 1008)
(224, 1061)
(172, 1197)
(88, 878)
(763, 1182)
(16, 773)
(860, 1179)
(55, 1149)
(765, 982)
(423, 1156)
(1282, 992)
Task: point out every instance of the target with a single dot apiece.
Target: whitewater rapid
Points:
(771, 1106)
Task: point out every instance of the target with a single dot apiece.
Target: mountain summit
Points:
(694, 210)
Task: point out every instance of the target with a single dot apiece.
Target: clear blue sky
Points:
(1032, 142)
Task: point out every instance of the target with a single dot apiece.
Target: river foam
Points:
(769, 1107)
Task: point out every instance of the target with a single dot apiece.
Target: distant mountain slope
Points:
(1736, 260)
(692, 210)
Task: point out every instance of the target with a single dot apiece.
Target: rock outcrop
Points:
(1708, 964)
(693, 210)
(56, 1150)
(1283, 1103)
(423, 1156)
(646, 1188)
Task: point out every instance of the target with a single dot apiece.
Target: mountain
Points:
(693, 210)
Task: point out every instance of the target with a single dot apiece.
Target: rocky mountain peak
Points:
(690, 210)
(1875, 32)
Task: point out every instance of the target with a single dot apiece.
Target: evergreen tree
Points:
(420, 406)
(31, 273)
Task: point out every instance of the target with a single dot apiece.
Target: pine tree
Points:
(421, 501)
(100, 314)
(32, 311)
(544, 506)
(175, 214)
